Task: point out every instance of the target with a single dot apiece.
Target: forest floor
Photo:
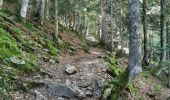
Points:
(90, 73)
(86, 82)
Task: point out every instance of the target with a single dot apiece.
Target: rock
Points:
(51, 61)
(60, 90)
(38, 95)
(16, 60)
(76, 89)
(89, 93)
(67, 90)
(60, 98)
(70, 69)
(84, 81)
(37, 77)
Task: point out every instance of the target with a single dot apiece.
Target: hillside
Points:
(81, 50)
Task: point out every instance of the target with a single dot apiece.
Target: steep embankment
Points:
(22, 46)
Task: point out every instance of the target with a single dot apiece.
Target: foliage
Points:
(112, 68)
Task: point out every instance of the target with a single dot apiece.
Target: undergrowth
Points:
(120, 81)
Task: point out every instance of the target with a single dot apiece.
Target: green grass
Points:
(8, 45)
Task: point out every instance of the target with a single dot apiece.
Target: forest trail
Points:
(85, 83)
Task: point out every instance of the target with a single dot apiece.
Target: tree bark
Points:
(56, 18)
(24, 7)
(168, 52)
(102, 34)
(42, 11)
(162, 32)
(134, 61)
(47, 6)
(111, 24)
(1, 2)
(146, 50)
(37, 8)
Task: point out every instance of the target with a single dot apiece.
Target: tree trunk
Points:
(168, 52)
(102, 23)
(111, 24)
(24, 7)
(1, 2)
(47, 6)
(162, 32)
(133, 66)
(37, 8)
(56, 18)
(146, 51)
(42, 11)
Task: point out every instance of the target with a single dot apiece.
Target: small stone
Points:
(37, 77)
(16, 60)
(60, 98)
(70, 69)
(89, 93)
(51, 61)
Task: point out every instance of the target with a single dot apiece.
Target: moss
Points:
(49, 45)
(119, 84)
(131, 88)
(8, 45)
(157, 88)
(112, 68)
(145, 74)
(52, 50)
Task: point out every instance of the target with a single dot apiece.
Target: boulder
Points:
(67, 90)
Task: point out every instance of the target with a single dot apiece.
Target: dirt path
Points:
(90, 73)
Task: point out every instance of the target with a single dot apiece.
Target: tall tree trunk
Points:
(168, 52)
(134, 61)
(133, 67)
(102, 23)
(162, 32)
(1, 2)
(42, 11)
(56, 18)
(47, 6)
(146, 51)
(24, 7)
(37, 8)
(121, 26)
(111, 24)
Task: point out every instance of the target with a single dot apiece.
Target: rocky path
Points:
(77, 77)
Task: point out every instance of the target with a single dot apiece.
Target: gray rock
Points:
(89, 93)
(76, 89)
(51, 61)
(60, 98)
(67, 90)
(70, 69)
(84, 81)
(38, 95)
(16, 60)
